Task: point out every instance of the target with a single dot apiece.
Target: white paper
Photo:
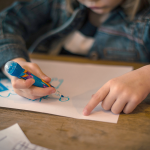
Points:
(13, 138)
(99, 114)
(73, 80)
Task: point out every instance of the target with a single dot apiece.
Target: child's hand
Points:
(123, 93)
(25, 88)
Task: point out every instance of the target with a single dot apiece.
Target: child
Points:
(98, 29)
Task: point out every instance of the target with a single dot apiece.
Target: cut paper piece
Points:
(73, 81)
(13, 138)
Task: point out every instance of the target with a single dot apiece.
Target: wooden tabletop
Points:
(132, 132)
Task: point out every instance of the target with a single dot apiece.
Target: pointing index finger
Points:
(96, 99)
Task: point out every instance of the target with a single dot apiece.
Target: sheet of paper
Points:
(13, 138)
(73, 80)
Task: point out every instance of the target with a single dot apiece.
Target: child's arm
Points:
(123, 93)
(24, 88)
(18, 23)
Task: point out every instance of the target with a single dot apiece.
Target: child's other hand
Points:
(123, 93)
(25, 88)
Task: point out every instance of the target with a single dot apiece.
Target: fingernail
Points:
(53, 91)
(44, 77)
(85, 112)
(33, 81)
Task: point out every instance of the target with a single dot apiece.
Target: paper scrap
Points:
(13, 138)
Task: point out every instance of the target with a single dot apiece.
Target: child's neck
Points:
(97, 19)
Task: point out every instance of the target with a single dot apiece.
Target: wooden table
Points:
(132, 132)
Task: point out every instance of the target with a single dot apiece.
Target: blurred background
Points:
(6, 3)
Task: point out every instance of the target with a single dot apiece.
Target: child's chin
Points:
(100, 11)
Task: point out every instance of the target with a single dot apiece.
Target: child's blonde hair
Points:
(131, 7)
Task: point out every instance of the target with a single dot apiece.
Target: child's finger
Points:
(25, 95)
(119, 105)
(96, 99)
(109, 100)
(31, 97)
(36, 91)
(40, 74)
(47, 79)
(22, 84)
(131, 105)
(92, 95)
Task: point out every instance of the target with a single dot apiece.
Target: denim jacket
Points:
(37, 25)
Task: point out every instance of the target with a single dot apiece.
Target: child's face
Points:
(101, 6)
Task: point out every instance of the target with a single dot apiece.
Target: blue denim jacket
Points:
(35, 26)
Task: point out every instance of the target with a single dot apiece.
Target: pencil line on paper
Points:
(27, 146)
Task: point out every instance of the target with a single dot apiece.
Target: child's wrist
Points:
(19, 60)
(147, 73)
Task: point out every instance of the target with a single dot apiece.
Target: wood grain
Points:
(132, 132)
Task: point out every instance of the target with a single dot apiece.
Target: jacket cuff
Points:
(11, 51)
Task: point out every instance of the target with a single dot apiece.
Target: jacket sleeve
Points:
(17, 23)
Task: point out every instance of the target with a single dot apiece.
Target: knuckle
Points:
(126, 94)
(33, 65)
(32, 97)
(44, 92)
(47, 93)
(30, 92)
(117, 88)
(27, 84)
(115, 111)
(126, 111)
(105, 107)
(135, 99)
(111, 82)
(96, 96)
(17, 92)
(14, 84)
